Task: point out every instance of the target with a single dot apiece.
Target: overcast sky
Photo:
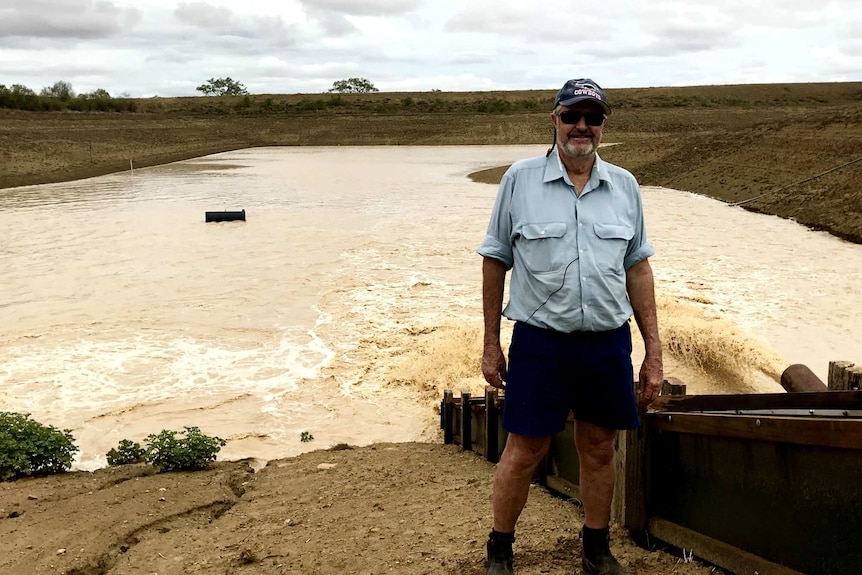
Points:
(168, 48)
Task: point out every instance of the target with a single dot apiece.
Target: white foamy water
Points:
(349, 298)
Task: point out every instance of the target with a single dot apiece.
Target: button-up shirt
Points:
(568, 253)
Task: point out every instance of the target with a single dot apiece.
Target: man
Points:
(570, 227)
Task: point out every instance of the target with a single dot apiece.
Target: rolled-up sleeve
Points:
(498, 242)
(639, 247)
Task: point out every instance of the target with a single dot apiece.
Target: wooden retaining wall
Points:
(755, 483)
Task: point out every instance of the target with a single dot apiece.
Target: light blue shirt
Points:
(568, 253)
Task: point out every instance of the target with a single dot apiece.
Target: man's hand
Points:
(494, 365)
(650, 380)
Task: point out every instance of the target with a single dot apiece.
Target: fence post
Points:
(630, 492)
(466, 422)
(448, 416)
(491, 425)
(844, 376)
(672, 386)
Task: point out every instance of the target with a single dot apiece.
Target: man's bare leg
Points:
(514, 474)
(596, 457)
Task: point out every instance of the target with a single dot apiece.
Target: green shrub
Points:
(125, 453)
(305, 437)
(192, 450)
(29, 448)
(307, 104)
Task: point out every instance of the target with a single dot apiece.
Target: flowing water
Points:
(350, 298)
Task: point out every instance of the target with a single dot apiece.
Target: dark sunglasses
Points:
(572, 117)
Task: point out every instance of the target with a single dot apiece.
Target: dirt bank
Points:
(772, 142)
(409, 509)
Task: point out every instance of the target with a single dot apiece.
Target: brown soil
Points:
(409, 509)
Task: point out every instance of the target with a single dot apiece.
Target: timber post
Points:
(466, 422)
(672, 386)
(630, 491)
(844, 376)
(492, 423)
(448, 416)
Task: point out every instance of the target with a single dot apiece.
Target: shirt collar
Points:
(554, 169)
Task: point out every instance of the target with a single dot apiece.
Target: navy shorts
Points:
(551, 373)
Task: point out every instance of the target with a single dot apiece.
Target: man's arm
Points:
(493, 282)
(641, 289)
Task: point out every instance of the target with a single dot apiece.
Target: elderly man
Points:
(571, 228)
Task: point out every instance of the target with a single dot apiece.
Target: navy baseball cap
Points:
(580, 90)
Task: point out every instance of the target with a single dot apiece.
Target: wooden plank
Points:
(563, 487)
(717, 552)
(801, 400)
(466, 422)
(634, 479)
(819, 431)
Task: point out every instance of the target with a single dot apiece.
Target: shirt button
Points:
(582, 251)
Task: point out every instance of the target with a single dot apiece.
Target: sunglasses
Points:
(572, 117)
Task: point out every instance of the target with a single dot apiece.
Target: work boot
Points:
(500, 553)
(597, 553)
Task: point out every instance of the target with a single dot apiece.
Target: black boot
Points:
(500, 553)
(597, 553)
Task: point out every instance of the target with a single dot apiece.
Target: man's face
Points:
(578, 139)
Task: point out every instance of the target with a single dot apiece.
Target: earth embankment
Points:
(787, 149)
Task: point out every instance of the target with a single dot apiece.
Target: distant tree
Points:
(222, 87)
(61, 90)
(97, 94)
(21, 90)
(353, 86)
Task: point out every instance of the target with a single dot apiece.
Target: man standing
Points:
(571, 228)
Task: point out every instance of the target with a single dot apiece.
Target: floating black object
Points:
(225, 216)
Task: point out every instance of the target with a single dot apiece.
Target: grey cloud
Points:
(526, 23)
(331, 15)
(333, 23)
(223, 22)
(64, 19)
(363, 7)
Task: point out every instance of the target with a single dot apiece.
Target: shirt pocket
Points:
(613, 240)
(543, 246)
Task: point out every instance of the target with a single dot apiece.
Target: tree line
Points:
(230, 87)
(61, 95)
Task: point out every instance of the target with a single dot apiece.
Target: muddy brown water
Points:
(350, 297)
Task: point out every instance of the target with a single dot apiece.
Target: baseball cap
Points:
(580, 90)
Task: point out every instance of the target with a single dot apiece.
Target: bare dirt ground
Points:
(409, 509)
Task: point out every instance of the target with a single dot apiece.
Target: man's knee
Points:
(524, 453)
(595, 445)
